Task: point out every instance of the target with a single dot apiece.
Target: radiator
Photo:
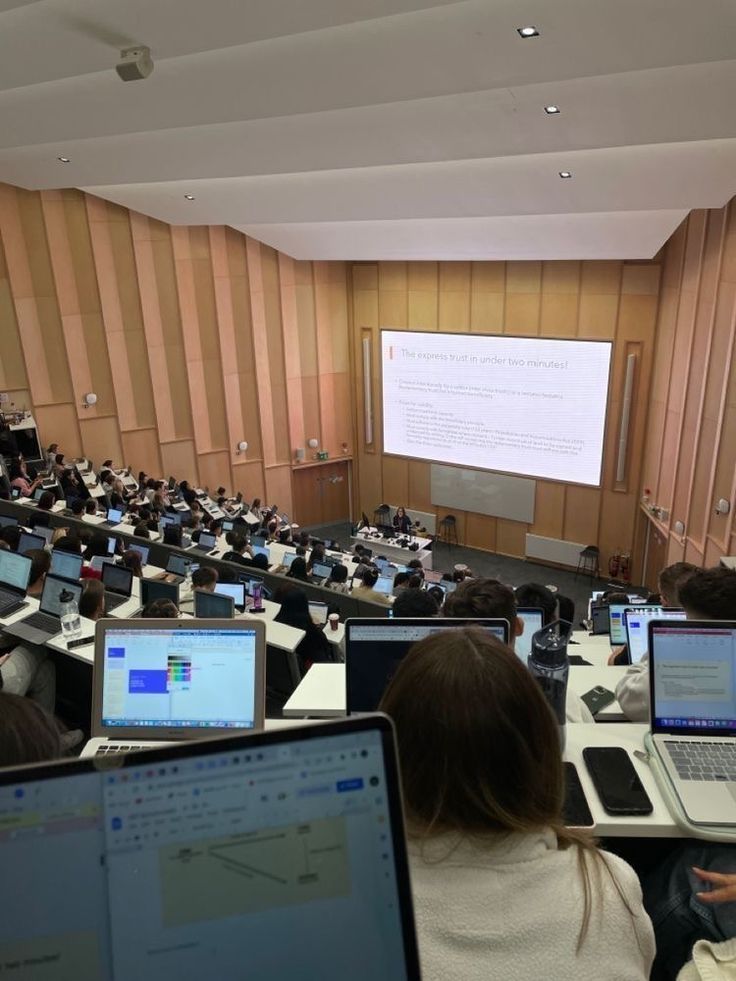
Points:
(553, 550)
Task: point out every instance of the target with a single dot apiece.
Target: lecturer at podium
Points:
(402, 522)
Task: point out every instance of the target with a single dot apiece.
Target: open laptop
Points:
(213, 606)
(28, 541)
(157, 589)
(142, 550)
(637, 620)
(66, 565)
(15, 572)
(176, 567)
(114, 517)
(45, 623)
(206, 543)
(692, 666)
(8, 521)
(252, 852)
(235, 590)
(374, 648)
(118, 583)
(617, 624)
(161, 680)
(320, 571)
(318, 612)
(533, 620)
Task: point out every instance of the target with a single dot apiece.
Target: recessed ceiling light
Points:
(565, 174)
(189, 197)
(64, 160)
(552, 110)
(527, 31)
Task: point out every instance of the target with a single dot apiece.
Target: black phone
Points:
(79, 642)
(598, 698)
(616, 781)
(575, 812)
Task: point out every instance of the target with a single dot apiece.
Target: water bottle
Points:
(71, 622)
(257, 598)
(549, 664)
(187, 577)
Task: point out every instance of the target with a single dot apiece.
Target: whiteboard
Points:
(482, 492)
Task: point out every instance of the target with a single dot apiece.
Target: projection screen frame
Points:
(511, 473)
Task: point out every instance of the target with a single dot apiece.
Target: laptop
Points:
(6, 521)
(374, 648)
(385, 585)
(45, 623)
(114, 517)
(98, 562)
(235, 590)
(637, 623)
(161, 680)
(15, 571)
(206, 542)
(692, 666)
(157, 589)
(142, 550)
(287, 559)
(318, 613)
(533, 620)
(213, 606)
(617, 624)
(66, 565)
(28, 541)
(177, 566)
(118, 583)
(321, 571)
(262, 550)
(240, 891)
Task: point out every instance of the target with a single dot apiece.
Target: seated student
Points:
(28, 733)
(11, 534)
(132, 560)
(401, 583)
(92, 600)
(90, 506)
(502, 889)
(172, 535)
(205, 577)
(45, 502)
(415, 567)
(163, 609)
(366, 591)
(533, 595)
(415, 603)
(78, 506)
(316, 557)
(97, 546)
(337, 581)
(476, 598)
(632, 691)
(49, 457)
(26, 669)
(141, 530)
(20, 478)
(298, 570)
(437, 595)
(240, 551)
(314, 647)
(40, 564)
(69, 543)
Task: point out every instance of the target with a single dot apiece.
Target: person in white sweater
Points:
(502, 889)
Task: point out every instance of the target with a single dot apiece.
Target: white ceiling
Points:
(366, 129)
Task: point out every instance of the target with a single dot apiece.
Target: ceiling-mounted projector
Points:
(135, 63)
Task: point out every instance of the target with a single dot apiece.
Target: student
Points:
(205, 577)
(141, 530)
(533, 595)
(488, 598)
(40, 564)
(162, 609)
(11, 534)
(173, 535)
(314, 646)
(90, 507)
(415, 603)
(19, 478)
(298, 570)
(402, 522)
(401, 583)
(502, 889)
(240, 551)
(26, 669)
(316, 557)
(92, 600)
(78, 506)
(50, 456)
(338, 579)
(632, 691)
(131, 559)
(28, 734)
(46, 501)
(366, 591)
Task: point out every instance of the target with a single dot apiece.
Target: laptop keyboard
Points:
(9, 603)
(44, 621)
(112, 602)
(703, 761)
(118, 748)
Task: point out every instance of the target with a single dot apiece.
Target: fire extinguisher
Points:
(626, 566)
(613, 565)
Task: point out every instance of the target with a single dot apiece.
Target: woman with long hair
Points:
(502, 889)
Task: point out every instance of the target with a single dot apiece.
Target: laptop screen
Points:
(15, 570)
(235, 590)
(692, 672)
(213, 606)
(288, 559)
(52, 590)
(153, 589)
(278, 852)
(261, 550)
(117, 579)
(617, 623)
(194, 678)
(533, 621)
(384, 584)
(318, 613)
(206, 540)
(178, 564)
(637, 623)
(6, 521)
(375, 648)
(66, 564)
(27, 541)
(320, 571)
(114, 516)
(142, 550)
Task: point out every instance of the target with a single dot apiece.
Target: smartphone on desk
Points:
(598, 698)
(616, 781)
(575, 812)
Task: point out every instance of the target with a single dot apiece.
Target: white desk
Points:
(394, 552)
(728, 561)
(321, 693)
(86, 653)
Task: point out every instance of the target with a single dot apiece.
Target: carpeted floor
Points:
(507, 569)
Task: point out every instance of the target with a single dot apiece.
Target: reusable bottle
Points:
(71, 623)
(549, 664)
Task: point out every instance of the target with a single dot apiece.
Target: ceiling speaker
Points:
(135, 63)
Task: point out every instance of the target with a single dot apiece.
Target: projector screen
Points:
(522, 405)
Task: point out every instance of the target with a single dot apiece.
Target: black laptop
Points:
(118, 583)
(15, 572)
(45, 623)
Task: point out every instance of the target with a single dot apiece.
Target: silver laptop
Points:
(15, 572)
(45, 623)
(692, 666)
(157, 681)
(637, 620)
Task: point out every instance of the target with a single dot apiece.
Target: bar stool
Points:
(448, 530)
(589, 562)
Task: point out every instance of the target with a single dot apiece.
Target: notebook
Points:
(375, 648)
(160, 893)
(235, 590)
(28, 541)
(637, 620)
(45, 623)
(118, 583)
(617, 624)
(66, 565)
(114, 517)
(213, 606)
(692, 667)
(15, 571)
(142, 550)
(162, 680)
(206, 542)
(155, 589)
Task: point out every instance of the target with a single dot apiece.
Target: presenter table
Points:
(394, 552)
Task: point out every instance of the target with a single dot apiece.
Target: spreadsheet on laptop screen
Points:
(191, 678)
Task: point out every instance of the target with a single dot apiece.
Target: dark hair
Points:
(414, 603)
(69, 543)
(141, 530)
(437, 594)
(46, 501)
(369, 578)
(415, 581)
(482, 598)
(237, 541)
(301, 551)
(28, 734)
(615, 598)
(132, 560)
(401, 579)
(162, 609)
(40, 563)
(204, 576)
(92, 600)
(415, 564)
(710, 594)
(339, 573)
(671, 578)
(536, 596)
(98, 546)
(11, 534)
(316, 555)
(90, 506)
(298, 569)
(78, 506)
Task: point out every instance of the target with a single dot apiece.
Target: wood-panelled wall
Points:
(192, 338)
(690, 451)
(611, 300)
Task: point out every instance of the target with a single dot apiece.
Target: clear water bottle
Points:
(549, 664)
(187, 577)
(71, 622)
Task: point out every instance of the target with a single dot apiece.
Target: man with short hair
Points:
(205, 577)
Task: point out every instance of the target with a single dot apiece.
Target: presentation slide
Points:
(523, 405)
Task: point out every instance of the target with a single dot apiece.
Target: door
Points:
(321, 493)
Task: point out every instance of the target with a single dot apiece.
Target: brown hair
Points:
(28, 734)
(482, 598)
(493, 767)
(92, 600)
(672, 577)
